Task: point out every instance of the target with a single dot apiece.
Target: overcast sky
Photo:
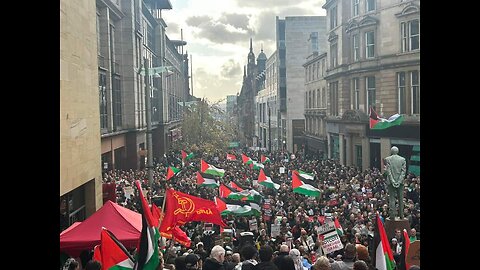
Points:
(218, 32)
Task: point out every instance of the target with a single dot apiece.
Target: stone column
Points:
(340, 148)
(349, 152)
(329, 143)
(365, 153)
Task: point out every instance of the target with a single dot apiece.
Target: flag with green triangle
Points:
(111, 253)
(172, 171)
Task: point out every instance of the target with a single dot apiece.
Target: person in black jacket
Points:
(265, 254)
(215, 261)
(249, 254)
(283, 261)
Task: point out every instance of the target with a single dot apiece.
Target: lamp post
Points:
(148, 118)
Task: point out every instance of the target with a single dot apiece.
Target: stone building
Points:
(373, 62)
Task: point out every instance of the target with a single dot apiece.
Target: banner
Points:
(327, 233)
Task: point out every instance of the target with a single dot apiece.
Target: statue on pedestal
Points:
(395, 170)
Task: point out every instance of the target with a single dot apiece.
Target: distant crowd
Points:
(349, 194)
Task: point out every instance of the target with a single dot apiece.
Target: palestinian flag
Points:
(210, 169)
(246, 160)
(231, 157)
(266, 181)
(256, 166)
(338, 227)
(111, 253)
(147, 256)
(237, 208)
(235, 185)
(377, 122)
(403, 256)
(244, 195)
(264, 159)
(187, 157)
(383, 253)
(171, 172)
(306, 175)
(301, 187)
(206, 180)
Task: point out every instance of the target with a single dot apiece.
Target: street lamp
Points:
(148, 115)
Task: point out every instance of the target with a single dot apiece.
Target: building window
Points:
(402, 98)
(370, 86)
(334, 98)
(410, 32)
(318, 70)
(309, 73)
(356, 93)
(98, 35)
(318, 98)
(313, 71)
(414, 27)
(324, 98)
(117, 103)
(306, 99)
(369, 5)
(356, 47)
(333, 17)
(102, 89)
(355, 7)
(370, 44)
(415, 80)
(333, 55)
(309, 99)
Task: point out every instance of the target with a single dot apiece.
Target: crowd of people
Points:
(350, 194)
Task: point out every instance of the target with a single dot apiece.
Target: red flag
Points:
(178, 235)
(231, 157)
(182, 208)
(156, 213)
(403, 256)
(184, 155)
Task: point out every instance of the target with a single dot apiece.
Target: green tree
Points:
(205, 129)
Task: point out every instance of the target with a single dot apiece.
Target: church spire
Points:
(251, 47)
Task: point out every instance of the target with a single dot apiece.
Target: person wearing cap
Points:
(192, 261)
(200, 251)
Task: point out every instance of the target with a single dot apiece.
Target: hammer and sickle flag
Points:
(181, 208)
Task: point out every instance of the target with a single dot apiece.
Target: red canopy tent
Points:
(124, 223)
